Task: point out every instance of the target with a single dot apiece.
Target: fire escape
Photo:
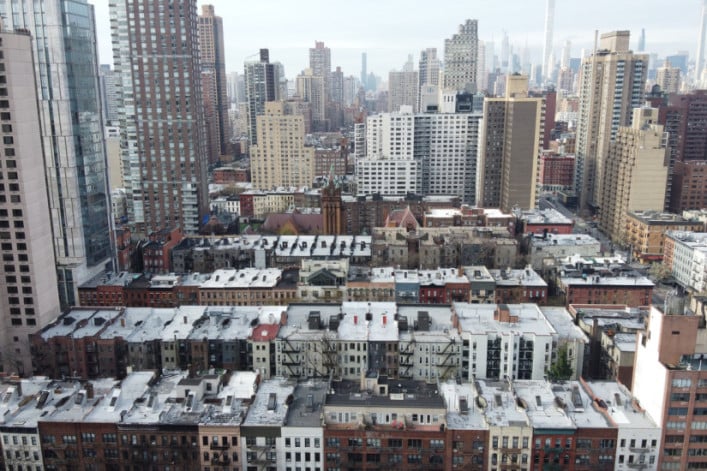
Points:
(407, 359)
(446, 362)
(290, 358)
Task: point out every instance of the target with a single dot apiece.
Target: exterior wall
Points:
(612, 79)
(609, 294)
(280, 158)
(28, 295)
(155, 201)
(509, 445)
(220, 447)
(301, 447)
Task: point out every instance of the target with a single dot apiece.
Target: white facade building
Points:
(429, 154)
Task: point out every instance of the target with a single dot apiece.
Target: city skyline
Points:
(367, 28)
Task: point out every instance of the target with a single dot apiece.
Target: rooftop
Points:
(308, 405)
(544, 216)
(656, 218)
(566, 240)
(620, 405)
(513, 277)
(479, 319)
(271, 403)
(463, 412)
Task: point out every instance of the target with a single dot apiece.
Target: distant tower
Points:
(700, 57)
(547, 49)
(642, 40)
(429, 67)
(364, 71)
(261, 83)
(460, 58)
(214, 84)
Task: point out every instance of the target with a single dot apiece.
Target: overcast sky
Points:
(389, 30)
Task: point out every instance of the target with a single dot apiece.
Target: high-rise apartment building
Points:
(320, 65)
(635, 173)
(612, 82)
(156, 54)
(685, 120)
(66, 68)
(460, 58)
(28, 292)
(262, 84)
(310, 88)
(109, 99)
(427, 154)
(511, 139)
(214, 84)
(403, 90)
(280, 157)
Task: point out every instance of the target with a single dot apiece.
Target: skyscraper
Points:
(668, 78)
(429, 67)
(280, 158)
(162, 121)
(364, 71)
(213, 83)
(510, 142)
(642, 41)
(262, 84)
(547, 47)
(310, 88)
(700, 56)
(28, 295)
(612, 80)
(66, 67)
(460, 58)
(320, 65)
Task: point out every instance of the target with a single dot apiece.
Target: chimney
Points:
(122, 322)
(355, 320)
(385, 319)
(185, 319)
(89, 390)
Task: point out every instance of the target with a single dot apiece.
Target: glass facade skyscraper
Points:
(66, 66)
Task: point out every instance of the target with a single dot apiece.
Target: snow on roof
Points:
(121, 397)
(538, 400)
(147, 323)
(511, 277)
(463, 412)
(572, 397)
(269, 406)
(151, 406)
(544, 216)
(182, 323)
(500, 405)
(354, 325)
(228, 323)
(230, 278)
(620, 405)
(598, 280)
(562, 322)
(563, 240)
(68, 323)
(479, 319)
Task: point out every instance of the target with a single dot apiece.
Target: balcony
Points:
(221, 461)
(216, 446)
